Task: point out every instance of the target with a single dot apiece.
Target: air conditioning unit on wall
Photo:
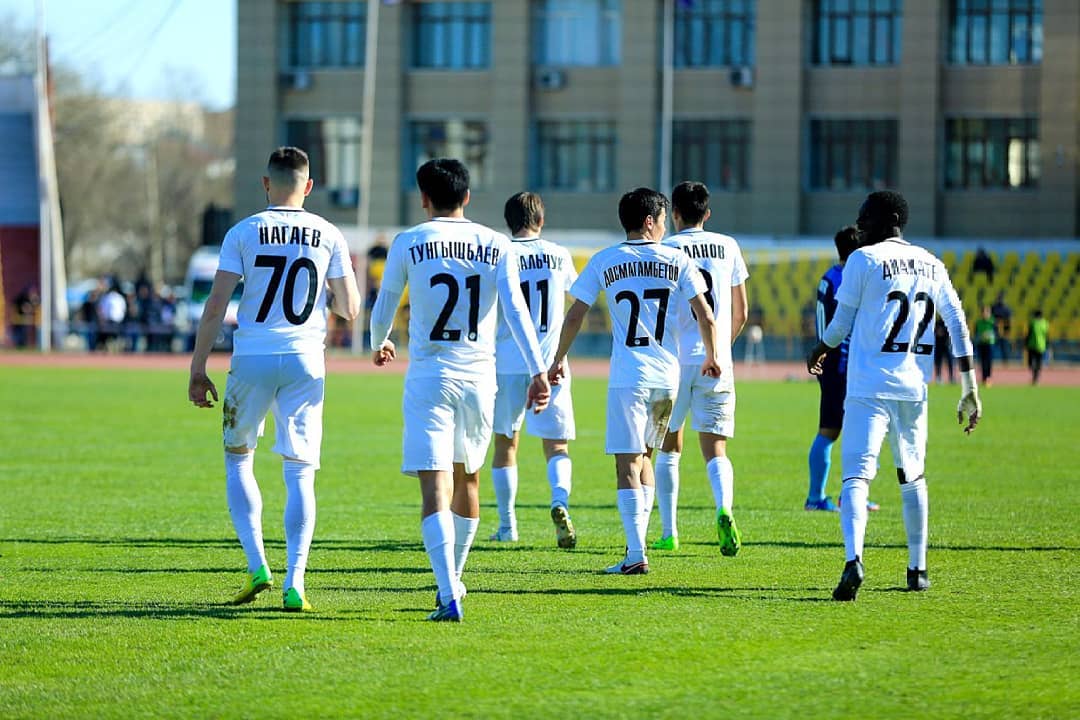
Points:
(547, 79)
(742, 76)
(295, 80)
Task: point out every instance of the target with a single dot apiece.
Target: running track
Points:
(1012, 374)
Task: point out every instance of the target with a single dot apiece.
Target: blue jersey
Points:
(836, 361)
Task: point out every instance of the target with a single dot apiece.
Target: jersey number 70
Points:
(277, 264)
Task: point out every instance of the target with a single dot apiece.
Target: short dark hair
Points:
(888, 202)
(639, 204)
(691, 200)
(847, 241)
(288, 165)
(523, 210)
(445, 181)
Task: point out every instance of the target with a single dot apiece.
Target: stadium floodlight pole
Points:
(45, 226)
(667, 91)
(367, 117)
(367, 142)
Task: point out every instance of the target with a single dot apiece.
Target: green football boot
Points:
(727, 533)
(256, 582)
(668, 542)
(294, 601)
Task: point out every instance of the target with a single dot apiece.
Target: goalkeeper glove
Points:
(969, 407)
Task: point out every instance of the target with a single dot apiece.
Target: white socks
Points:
(438, 533)
(505, 480)
(464, 534)
(299, 519)
(916, 509)
(648, 493)
(245, 506)
(631, 501)
(667, 490)
(722, 479)
(853, 516)
(559, 470)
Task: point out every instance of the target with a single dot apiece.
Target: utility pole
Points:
(367, 143)
(667, 92)
(153, 213)
(367, 117)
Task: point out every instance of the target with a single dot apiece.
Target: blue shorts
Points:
(833, 392)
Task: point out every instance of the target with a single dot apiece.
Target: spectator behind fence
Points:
(1038, 336)
(983, 263)
(111, 309)
(942, 351)
(985, 339)
(1003, 317)
(24, 317)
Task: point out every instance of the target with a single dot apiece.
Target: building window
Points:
(992, 153)
(714, 33)
(466, 140)
(852, 154)
(575, 155)
(576, 32)
(995, 32)
(451, 35)
(857, 32)
(326, 34)
(333, 148)
(715, 152)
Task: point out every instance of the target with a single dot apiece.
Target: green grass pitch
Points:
(116, 553)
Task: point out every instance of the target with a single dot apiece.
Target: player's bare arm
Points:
(346, 296)
(385, 354)
(816, 357)
(707, 327)
(838, 329)
(575, 316)
(199, 384)
(539, 394)
(740, 310)
(382, 321)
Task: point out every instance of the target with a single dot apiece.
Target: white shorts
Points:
(637, 419)
(447, 421)
(710, 410)
(555, 422)
(290, 386)
(867, 421)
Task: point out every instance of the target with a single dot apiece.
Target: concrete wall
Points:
(920, 91)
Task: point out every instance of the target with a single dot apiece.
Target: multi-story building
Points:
(791, 110)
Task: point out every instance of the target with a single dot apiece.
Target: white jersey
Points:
(896, 287)
(722, 267)
(546, 273)
(285, 256)
(458, 272)
(646, 285)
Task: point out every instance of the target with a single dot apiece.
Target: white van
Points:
(197, 283)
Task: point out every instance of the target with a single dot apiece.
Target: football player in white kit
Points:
(648, 286)
(459, 274)
(708, 401)
(887, 300)
(286, 257)
(546, 272)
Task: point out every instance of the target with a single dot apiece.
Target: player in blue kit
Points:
(832, 380)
